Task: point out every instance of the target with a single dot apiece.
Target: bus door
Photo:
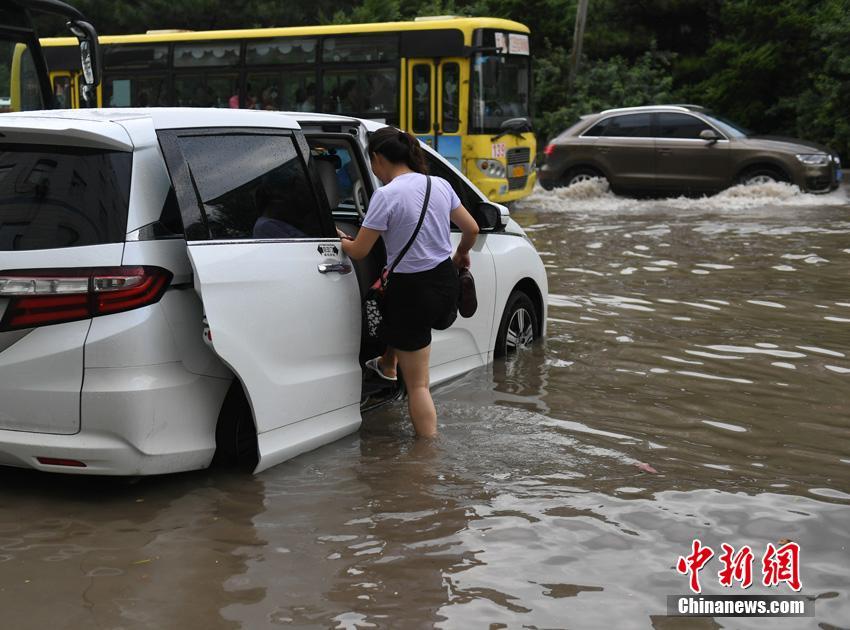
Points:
(64, 90)
(421, 99)
(450, 85)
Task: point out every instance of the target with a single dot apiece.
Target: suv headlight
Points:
(492, 168)
(813, 159)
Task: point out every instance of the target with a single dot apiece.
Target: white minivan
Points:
(147, 324)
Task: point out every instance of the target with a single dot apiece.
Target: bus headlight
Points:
(491, 168)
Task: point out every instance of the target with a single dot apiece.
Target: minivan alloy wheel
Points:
(519, 326)
(520, 330)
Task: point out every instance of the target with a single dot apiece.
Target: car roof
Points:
(170, 117)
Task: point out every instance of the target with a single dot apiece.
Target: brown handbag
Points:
(467, 301)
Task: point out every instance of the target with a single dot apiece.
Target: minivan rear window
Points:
(60, 196)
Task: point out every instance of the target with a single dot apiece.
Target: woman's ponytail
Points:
(398, 147)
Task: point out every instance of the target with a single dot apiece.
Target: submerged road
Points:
(694, 384)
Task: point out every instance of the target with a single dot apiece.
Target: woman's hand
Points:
(461, 260)
(460, 217)
(359, 247)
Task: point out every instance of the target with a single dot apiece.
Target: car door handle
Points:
(603, 149)
(342, 268)
(665, 151)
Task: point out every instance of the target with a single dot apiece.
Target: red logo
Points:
(694, 563)
(782, 565)
(777, 565)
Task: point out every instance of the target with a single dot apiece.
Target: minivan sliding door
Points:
(279, 296)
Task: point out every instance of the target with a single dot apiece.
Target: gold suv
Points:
(681, 148)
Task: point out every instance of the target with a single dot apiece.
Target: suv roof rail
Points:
(649, 108)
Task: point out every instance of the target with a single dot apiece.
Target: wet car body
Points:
(146, 326)
(672, 149)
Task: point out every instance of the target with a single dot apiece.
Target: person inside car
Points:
(422, 289)
(274, 203)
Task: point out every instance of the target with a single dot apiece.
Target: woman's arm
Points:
(460, 217)
(361, 246)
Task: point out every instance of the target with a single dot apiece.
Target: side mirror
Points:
(488, 216)
(89, 59)
(709, 135)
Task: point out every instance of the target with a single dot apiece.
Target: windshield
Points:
(500, 90)
(20, 89)
(731, 129)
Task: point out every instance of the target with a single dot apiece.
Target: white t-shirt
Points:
(394, 211)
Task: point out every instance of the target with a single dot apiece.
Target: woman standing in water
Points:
(422, 289)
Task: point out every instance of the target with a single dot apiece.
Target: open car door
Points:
(280, 298)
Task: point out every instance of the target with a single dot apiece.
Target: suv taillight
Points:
(39, 297)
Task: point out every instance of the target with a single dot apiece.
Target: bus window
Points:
(342, 91)
(141, 56)
(20, 89)
(206, 55)
(281, 50)
(353, 48)
(140, 91)
(194, 90)
(421, 98)
(500, 90)
(381, 96)
(292, 91)
(450, 89)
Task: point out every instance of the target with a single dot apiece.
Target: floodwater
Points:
(695, 383)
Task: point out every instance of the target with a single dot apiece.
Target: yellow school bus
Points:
(460, 84)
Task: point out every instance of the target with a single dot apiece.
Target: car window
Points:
(252, 186)
(671, 125)
(346, 190)
(61, 196)
(598, 129)
(629, 126)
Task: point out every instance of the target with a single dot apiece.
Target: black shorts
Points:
(417, 302)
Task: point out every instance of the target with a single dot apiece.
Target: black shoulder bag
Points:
(373, 301)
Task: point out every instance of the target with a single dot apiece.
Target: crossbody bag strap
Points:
(418, 225)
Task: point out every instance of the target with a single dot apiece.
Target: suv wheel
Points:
(519, 327)
(582, 174)
(761, 175)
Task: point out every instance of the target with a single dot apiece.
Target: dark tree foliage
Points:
(775, 66)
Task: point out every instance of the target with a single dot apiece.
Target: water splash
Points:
(595, 195)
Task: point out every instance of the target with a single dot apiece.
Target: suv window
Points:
(672, 125)
(61, 196)
(252, 186)
(629, 126)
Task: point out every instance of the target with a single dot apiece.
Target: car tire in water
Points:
(519, 326)
(235, 433)
(582, 174)
(761, 175)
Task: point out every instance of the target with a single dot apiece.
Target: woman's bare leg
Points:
(414, 365)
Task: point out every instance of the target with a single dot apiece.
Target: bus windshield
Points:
(20, 89)
(500, 90)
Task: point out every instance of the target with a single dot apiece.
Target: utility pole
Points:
(575, 57)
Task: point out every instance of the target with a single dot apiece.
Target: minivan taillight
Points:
(39, 297)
